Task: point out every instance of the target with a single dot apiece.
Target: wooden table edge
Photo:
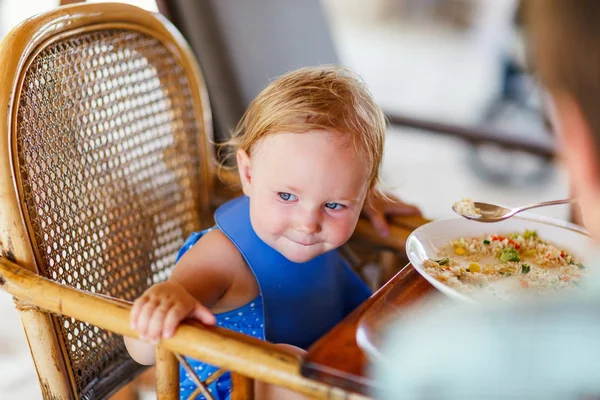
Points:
(348, 380)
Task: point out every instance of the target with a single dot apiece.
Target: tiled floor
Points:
(422, 69)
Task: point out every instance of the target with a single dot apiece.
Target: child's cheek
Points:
(276, 216)
(343, 229)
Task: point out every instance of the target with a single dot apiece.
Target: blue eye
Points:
(334, 206)
(287, 196)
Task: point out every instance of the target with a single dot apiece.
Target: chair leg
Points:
(242, 387)
(167, 375)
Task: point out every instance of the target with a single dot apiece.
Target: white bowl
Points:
(428, 240)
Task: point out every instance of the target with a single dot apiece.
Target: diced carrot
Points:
(497, 237)
(565, 278)
(515, 244)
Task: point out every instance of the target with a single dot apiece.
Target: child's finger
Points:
(144, 318)
(379, 223)
(156, 323)
(402, 209)
(204, 315)
(174, 316)
(136, 309)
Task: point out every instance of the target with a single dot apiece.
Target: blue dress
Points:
(298, 303)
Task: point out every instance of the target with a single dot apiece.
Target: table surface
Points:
(336, 358)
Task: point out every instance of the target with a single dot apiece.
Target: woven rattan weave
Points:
(109, 164)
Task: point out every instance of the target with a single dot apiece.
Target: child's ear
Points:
(245, 170)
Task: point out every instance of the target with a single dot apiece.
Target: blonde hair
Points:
(316, 98)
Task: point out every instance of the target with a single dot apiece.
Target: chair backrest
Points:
(105, 169)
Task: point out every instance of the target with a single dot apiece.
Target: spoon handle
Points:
(546, 203)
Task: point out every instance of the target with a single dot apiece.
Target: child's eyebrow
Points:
(348, 200)
(291, 189)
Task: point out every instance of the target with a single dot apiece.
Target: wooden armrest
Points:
(226, 349)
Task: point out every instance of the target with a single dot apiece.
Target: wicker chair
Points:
(106, 168)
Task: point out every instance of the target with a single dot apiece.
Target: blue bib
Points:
(301, 301)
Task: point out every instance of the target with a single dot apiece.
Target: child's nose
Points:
(308, 228)
(308, 223)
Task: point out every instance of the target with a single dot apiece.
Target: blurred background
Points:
(455, 67)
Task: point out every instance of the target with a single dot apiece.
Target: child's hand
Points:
(162, 307)
(377, 208)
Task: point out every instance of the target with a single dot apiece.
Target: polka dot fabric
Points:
(249, 320)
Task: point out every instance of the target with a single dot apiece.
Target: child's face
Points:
(306, 191)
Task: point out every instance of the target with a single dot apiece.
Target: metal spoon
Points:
(494, 213)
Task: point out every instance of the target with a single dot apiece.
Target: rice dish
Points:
(505, 264)
(467, 207)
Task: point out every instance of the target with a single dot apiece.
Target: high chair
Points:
(106, 167)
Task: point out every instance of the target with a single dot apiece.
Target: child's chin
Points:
(301, 256)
